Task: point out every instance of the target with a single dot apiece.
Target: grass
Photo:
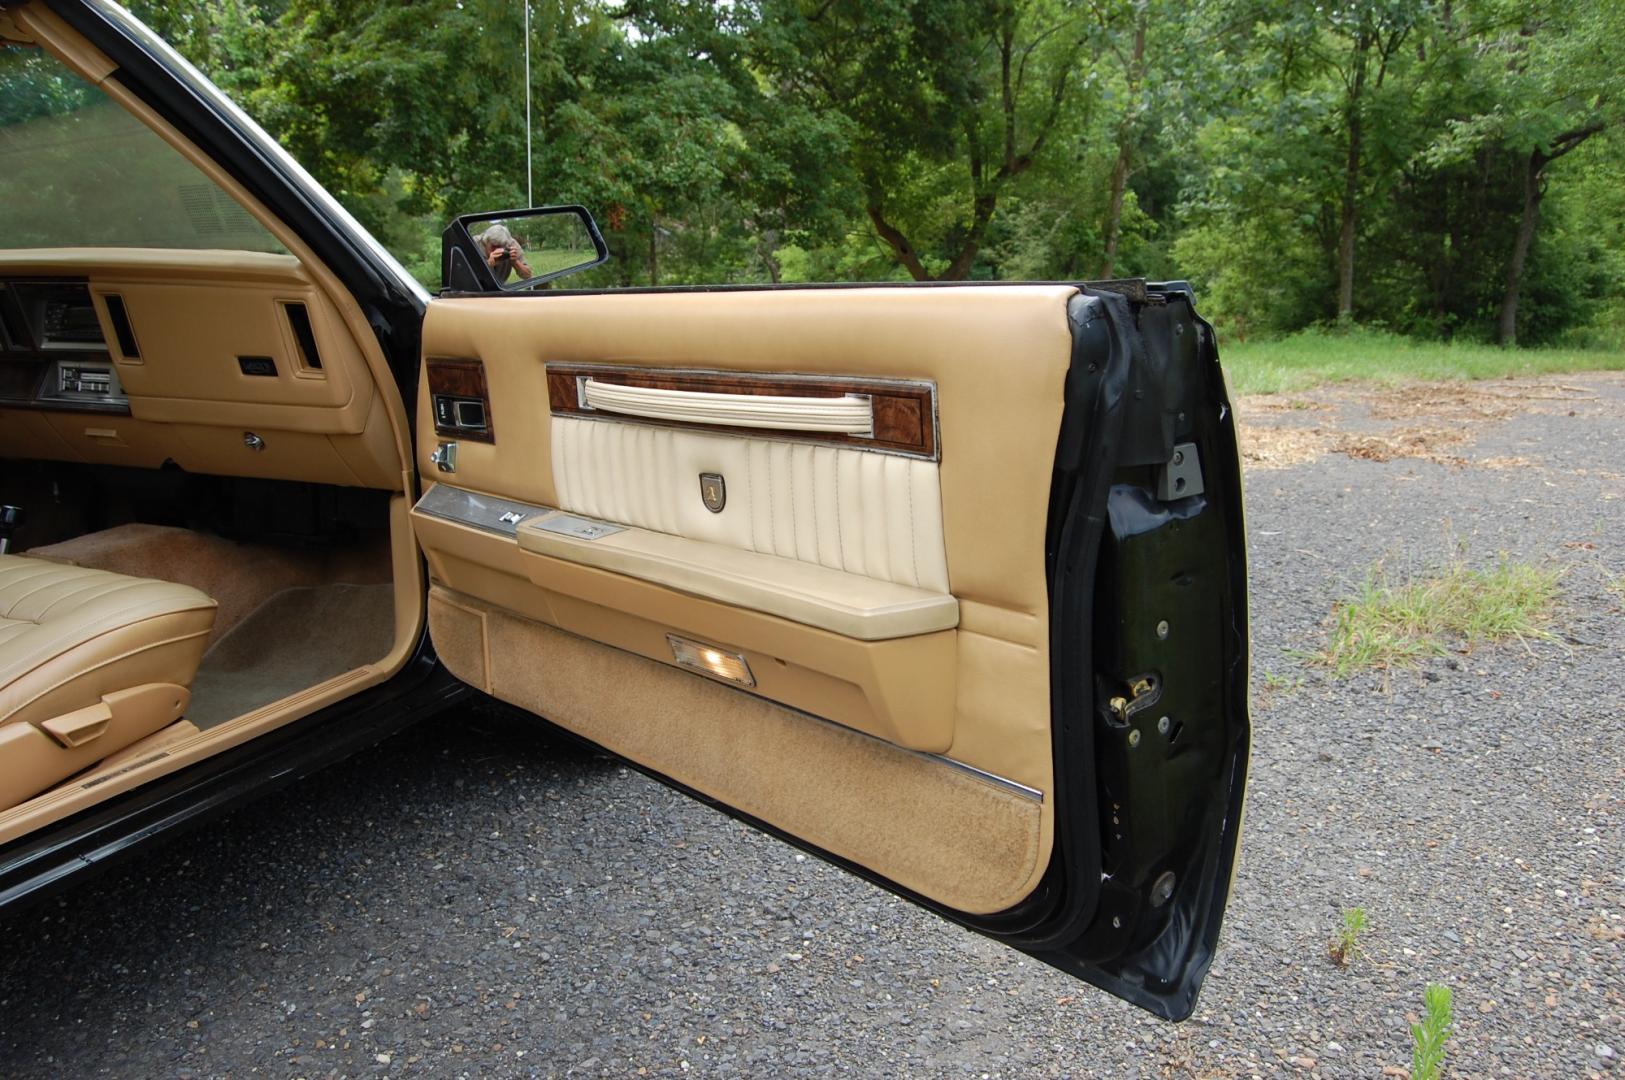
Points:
(1345, 947)
(1396, 624)
(1430, 1035)
(1280, 684)
(1321, 356)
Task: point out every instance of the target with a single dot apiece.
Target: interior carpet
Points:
(296, 639)
(239, 576)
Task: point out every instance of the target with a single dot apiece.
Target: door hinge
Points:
(1181, 477)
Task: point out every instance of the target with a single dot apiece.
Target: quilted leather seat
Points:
(90, 662)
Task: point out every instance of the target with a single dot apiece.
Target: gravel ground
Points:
(469, 900)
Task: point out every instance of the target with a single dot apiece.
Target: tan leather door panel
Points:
(875, 566)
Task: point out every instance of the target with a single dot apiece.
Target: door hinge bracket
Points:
(1181, 476)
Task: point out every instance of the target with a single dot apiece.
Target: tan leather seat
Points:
(89, 662)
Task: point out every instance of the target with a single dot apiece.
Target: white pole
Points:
(530, 197)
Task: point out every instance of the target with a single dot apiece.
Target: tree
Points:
(1132, 60)
(1435, 166)
(949, 103)
(1560, 70)
(1353, 43)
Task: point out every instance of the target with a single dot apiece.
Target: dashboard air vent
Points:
(120, 318)
(299, 321)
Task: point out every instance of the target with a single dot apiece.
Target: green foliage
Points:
(1345, 948)
(1430, 1036)
(1396, 624)
(1235, 143)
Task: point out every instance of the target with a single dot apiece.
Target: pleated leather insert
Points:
(878, 515)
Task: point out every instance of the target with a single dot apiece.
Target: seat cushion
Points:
(69, 635)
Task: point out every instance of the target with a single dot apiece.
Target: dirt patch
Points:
(1412, 442)
(1464, 402)
(1275, 403)
(1427, 421)
(1271, 447)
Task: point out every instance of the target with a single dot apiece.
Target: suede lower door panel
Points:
(995, 359)
(960, 840)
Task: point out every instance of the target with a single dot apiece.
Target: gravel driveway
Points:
(468, 900)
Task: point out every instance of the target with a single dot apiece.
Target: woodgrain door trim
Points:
(460, 379)
(905, 411)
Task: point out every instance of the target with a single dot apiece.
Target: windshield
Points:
(76, 170)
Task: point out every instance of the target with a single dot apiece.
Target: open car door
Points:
(946, 584)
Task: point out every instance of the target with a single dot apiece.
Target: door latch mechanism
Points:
(1144, 691)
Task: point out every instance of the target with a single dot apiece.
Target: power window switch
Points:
(471, 414)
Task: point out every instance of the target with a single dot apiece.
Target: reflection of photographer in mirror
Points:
(503, 253)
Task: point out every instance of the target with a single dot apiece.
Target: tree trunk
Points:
(959, 269)
(1351, 188)
(1351, 209)
(767, 249)
(1125, 143)
(1345, 240)
(654, 254)
(1114, 209)
(901, 248)
(1506, 325)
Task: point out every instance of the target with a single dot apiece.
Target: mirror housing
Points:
(551, 241)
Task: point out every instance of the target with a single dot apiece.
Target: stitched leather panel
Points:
(878, 515)
(49, 609)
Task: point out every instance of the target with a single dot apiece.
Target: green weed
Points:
(1280, 683)
(1428, 1038)
(1396, 624)
(1345, 947)
(1314, 357)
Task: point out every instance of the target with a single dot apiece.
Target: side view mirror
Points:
(511, 250)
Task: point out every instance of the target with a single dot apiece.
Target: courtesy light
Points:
(710, 660)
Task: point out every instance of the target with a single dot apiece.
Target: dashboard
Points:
(226, 363)
(52, 351)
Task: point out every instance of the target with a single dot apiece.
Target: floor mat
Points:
(296, 639)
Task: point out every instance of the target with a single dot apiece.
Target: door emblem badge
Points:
(714, 491)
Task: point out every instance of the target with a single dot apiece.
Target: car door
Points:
(945, 584)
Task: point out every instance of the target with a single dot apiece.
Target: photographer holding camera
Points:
(503, 254)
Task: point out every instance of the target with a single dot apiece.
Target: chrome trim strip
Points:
(487, 512)
(991, 778)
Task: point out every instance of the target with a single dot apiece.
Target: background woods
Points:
(1440, 168)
